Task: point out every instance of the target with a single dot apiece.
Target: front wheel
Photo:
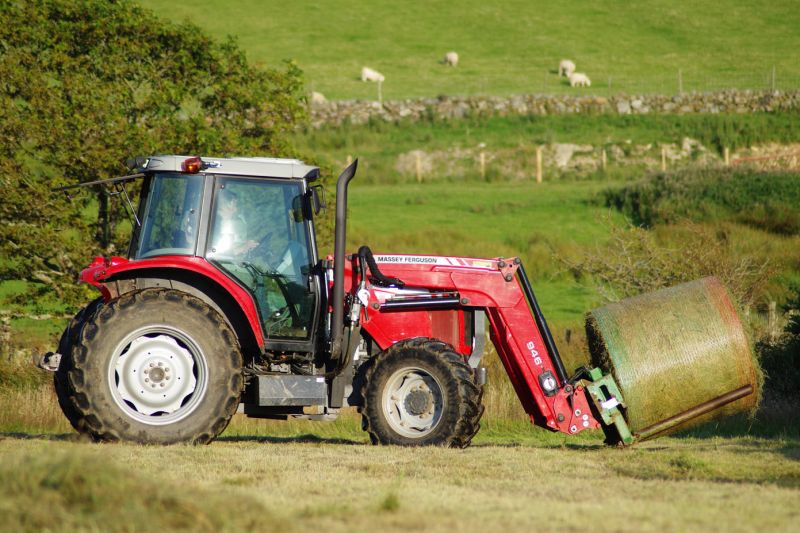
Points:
(156, 366)
(421, 392)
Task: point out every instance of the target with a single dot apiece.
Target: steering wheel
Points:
(283, 286)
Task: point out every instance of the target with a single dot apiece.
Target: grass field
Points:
(511, 47)
(738, 475)
(311, 482)
(298, 475)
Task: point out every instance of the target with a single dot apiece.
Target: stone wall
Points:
(453, 107)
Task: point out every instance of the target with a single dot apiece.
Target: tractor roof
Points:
(266, 167)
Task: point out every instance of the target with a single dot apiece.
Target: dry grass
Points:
(325, 476)
(66, 488)
(673, 484)
(33, 410)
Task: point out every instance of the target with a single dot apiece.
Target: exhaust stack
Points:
(337, 322)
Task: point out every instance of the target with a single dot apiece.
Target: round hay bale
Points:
(672, 350)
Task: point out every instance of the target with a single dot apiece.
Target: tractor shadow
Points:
(306, 438)
(60, 437)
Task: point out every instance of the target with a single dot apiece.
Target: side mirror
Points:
(317, 197)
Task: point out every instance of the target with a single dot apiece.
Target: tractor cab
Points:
(251, 218)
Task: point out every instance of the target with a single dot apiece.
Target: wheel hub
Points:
(413, 402)
(418, 402)
(155, 375)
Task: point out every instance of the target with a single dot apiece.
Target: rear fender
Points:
(192, 275)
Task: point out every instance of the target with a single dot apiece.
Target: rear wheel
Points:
(421, 392)
(156, 366)
(60, 378)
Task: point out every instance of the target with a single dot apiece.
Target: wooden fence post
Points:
(418, 165)
(603, 159)
(727, 156)
(483, 164)
(538, 164)
(663, 159)
(772, 322)
(349, 160)
(5, 335)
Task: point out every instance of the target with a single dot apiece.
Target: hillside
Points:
(511, 47)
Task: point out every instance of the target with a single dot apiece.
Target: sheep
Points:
(367, 74)
(566, 68)
(318, 98)
(451, 59)
(579, 79)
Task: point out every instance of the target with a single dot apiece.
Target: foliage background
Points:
(86, 84)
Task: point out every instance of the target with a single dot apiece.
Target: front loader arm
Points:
(500, 288)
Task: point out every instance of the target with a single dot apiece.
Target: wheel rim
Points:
(413, 402)
(158, 375)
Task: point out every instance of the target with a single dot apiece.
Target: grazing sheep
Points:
(451, 59)
(566, 68)
(579, 79)
(318, 98)
(367, 74)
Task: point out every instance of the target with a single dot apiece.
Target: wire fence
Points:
(401, 85)
(679, 83)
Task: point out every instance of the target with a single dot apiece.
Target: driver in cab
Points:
(230, 228)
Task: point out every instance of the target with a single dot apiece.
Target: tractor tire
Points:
(60, 378)
(421, 392)
(155, 366)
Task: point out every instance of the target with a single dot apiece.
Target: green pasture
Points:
(511, 47)
(536, 222)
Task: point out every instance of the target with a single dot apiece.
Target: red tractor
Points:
(223, 303)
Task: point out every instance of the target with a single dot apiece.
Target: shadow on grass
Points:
(62, 437)
(307, 438)
(768, 423)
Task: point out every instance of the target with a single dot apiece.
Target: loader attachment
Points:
(669, 360)
(609, 406)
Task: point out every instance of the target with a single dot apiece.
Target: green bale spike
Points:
(673, 350)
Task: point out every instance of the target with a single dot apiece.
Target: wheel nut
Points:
(152, 365)
(160, 363)
(166, 369)
(162, 385)
(146, 371)
(577, 412)
(166, 378)
(146, 380)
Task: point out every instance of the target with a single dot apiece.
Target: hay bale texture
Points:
(673, 349)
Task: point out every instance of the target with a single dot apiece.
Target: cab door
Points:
(261, 236)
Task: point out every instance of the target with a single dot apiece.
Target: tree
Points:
(85, 84)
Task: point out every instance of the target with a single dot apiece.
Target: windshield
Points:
(171, 216)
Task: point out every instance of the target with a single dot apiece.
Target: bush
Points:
(637, 261)
(86, 84)
(767, 201)
(781, 360)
